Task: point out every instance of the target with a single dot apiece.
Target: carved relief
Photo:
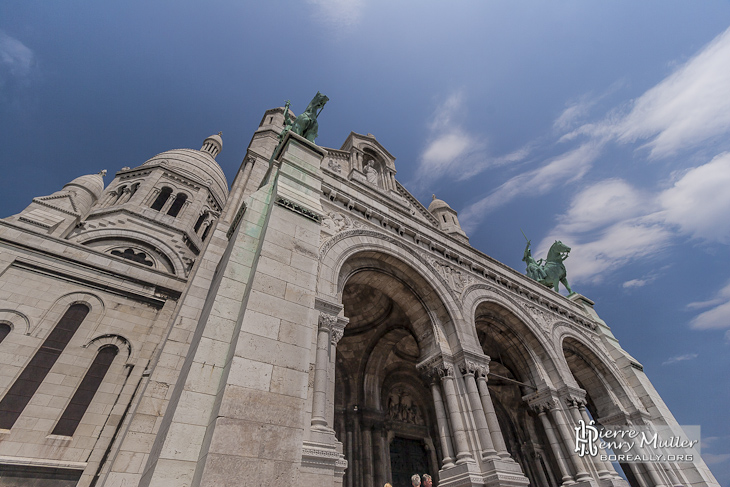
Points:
(327, 321)
(539, 315)
(335, 222)
(436, 368)
(334, 166)
(402, 408)
(457, 279)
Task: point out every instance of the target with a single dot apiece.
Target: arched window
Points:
(81, 399)
(205, 232)
(162, 198)
(177, 204)
(37, 369)
(120, 194)
(200, 221)
(4, 331)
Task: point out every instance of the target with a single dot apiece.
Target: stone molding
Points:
(474, 277)
(297, 208)
(436, 367)
(542, 400)
(472, 363)
(320, 455)
(326, 306)
(573, 396)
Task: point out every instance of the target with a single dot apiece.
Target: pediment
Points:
(62, 202)
(365, 142)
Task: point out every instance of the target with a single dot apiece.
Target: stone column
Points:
(457, 425)
(578, 409)
(492, 422)
(319, 402)
(367, 455)
(381, 475)
(336, 332)
(567, 479)
(351, 463)
(126, 194)
(388, 467)
(540, 469)
(564, 432)
(469, 370)
(443, 426)
(170, 200)
(153, 196)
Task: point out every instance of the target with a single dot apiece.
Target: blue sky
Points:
(603, 124)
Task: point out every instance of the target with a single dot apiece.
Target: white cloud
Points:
(453, 151)
(718, 316)
(15, 55)
(565, 168)
(593, 258)
(699, 202)
(442, 152)
(608, 224)
(680, 358)
(611, 223)
(603, 203)
(338, 13)
(689, 107)
(636, 283)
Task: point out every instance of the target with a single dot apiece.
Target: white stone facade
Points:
(314, 325)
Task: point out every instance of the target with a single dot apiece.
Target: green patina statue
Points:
(550, 272)
(306, 123)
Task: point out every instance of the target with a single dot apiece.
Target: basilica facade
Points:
(312, 324)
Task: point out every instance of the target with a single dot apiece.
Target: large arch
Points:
(337, 261)
(523, 361)
(104, 240)
(384, 411)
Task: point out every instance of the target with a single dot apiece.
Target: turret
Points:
(60, 212)
(448, 219)
(160, 213)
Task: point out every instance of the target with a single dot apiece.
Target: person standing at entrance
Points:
(427, 481)
(416, 480)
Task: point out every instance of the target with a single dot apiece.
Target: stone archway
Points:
(514, 373)
(604, 400)
(383, 409)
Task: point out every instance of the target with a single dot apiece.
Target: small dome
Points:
(213, 144)
(94, 183)
(196, 165)
(437, 204)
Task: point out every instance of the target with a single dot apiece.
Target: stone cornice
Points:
(543, 399)
(488, 279)
(442, 250)
(472, 363)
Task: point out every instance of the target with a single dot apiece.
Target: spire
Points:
(213, 144)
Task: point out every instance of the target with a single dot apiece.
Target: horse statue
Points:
(551, 272)
(306, 123)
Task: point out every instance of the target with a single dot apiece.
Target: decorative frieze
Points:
(297, 208)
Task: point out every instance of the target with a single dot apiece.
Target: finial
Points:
(102, 172)
(433, 196)
(220, 134)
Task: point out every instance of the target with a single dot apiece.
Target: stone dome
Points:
(94, 183)
(198, 166)
(437, 204)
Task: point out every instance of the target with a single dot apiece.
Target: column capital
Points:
(475, 363)
(436, 367)
(326, 321)
(572, 396)
(542, 400)
(338, 330)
